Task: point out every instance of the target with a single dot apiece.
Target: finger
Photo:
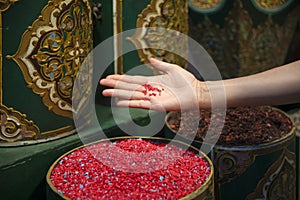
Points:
(123, 94)
(114, 76)
(121, 85)
(143, 104)
(130, 79)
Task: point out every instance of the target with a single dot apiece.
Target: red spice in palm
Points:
(151, 91)
(80, 175)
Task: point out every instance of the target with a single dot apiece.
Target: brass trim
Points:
(118, 29)
(63, 132)
(6, 4)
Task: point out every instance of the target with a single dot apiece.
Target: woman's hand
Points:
(176, 89)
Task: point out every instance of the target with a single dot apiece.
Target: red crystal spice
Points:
(161, 171)
(149, 90)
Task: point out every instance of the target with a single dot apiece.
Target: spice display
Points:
(243, 125)
(130, 169)
(271, 3)
(206, 4)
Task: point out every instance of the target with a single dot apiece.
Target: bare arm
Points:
(277, 86)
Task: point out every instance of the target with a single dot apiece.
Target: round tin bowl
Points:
(267, 9)
(265, 171)
(204, 192)
(212, 8)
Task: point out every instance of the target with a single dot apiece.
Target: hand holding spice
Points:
(175, 89)
(182, 90)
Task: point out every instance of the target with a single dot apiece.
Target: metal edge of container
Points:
(275, 10)
(206, 10)
(206, 186)
(292, 112)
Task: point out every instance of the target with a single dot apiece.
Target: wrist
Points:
(203, 95)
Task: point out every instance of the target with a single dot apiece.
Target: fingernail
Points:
(152, 59)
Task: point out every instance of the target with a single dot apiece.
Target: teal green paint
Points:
(131, 10)
(16, 93)
(23, 169)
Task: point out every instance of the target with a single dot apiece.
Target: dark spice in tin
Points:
(243, 125)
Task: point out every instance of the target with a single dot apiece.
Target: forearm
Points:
(277, 86)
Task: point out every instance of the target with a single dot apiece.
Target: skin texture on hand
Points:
(180, 89)
(277, 86)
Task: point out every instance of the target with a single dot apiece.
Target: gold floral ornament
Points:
(15, 126)
(161, 16)
(53, 49)
(5, 4)
(279, 181)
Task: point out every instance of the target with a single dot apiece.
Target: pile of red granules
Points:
(152, 91)
(130, 169)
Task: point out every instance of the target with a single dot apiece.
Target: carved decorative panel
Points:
(232, 165)
(15, 126)
(279, 181)
(52, 50)
(50, 55)
(239, 47)
(166, 14)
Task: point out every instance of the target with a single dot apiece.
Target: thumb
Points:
(160, 65)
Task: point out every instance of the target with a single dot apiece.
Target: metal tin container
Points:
(295, 115)
(42, 48)
(42, 52)
(241, 35)
(266, 171)
(204, 192)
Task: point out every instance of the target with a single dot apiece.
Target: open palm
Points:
(175, 89)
